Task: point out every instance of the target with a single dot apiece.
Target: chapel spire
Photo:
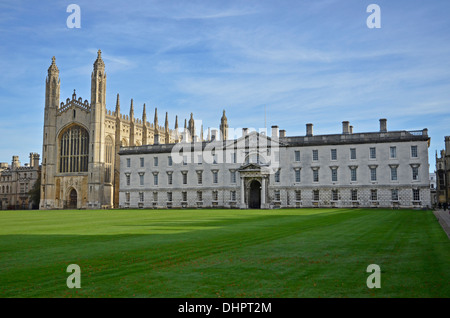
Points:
(131, 111)
(166, 123)
(53, 69)
(224, 127)
(52, 87)
(144, 116)
(156, 119)
(99, 64)
(191, 127)
(117, 106)
(98, 82)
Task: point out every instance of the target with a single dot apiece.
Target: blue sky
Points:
(305, 61)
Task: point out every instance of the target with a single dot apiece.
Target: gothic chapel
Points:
(81, 141)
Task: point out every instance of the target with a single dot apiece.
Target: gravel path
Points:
(444, 219)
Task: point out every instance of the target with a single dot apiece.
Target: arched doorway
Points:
(73, 198)
(254, 201)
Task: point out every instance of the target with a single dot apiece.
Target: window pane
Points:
(316, 195)
(374, 195)
(415, 173)
(334, 174)
(373, 174)
(233, 176)
(373, 153)
(316, 175)
(335, 195)
(393, 173)
(352, 153)
(353, 174)
(393, 152)
(333, 154)
(74, 150)
(277, 176)
(315, 155)
(394, 193)
(416, 195)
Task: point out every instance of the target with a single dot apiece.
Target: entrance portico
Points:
(254, 182)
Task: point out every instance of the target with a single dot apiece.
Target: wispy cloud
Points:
(306, 61)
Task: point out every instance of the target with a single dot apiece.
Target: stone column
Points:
(263, 193)
(242, 193)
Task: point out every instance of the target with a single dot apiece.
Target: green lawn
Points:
(223, 253)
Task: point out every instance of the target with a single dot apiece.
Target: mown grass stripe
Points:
(223, 253)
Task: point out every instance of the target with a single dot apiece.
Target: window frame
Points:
(414, 151)
(353, 154)
(372, 153)
(315, 155)
(333, 154)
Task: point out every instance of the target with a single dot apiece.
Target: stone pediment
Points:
(250, 167)
(254, 169)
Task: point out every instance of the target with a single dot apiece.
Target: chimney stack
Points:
(15, 162)
(345, 127)
(244, 132)
(351, 129)
(447, 143)
(282, 133)
(274, 131)
(34, 160)
(213, 134)
(309, 129)
(383, 125)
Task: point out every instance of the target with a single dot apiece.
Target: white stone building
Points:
(374, 169)
(433, 185)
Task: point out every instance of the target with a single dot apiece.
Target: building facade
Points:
(81, 141)
(16, 181)
(443, 173)
(433, 189)
(375, 169)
